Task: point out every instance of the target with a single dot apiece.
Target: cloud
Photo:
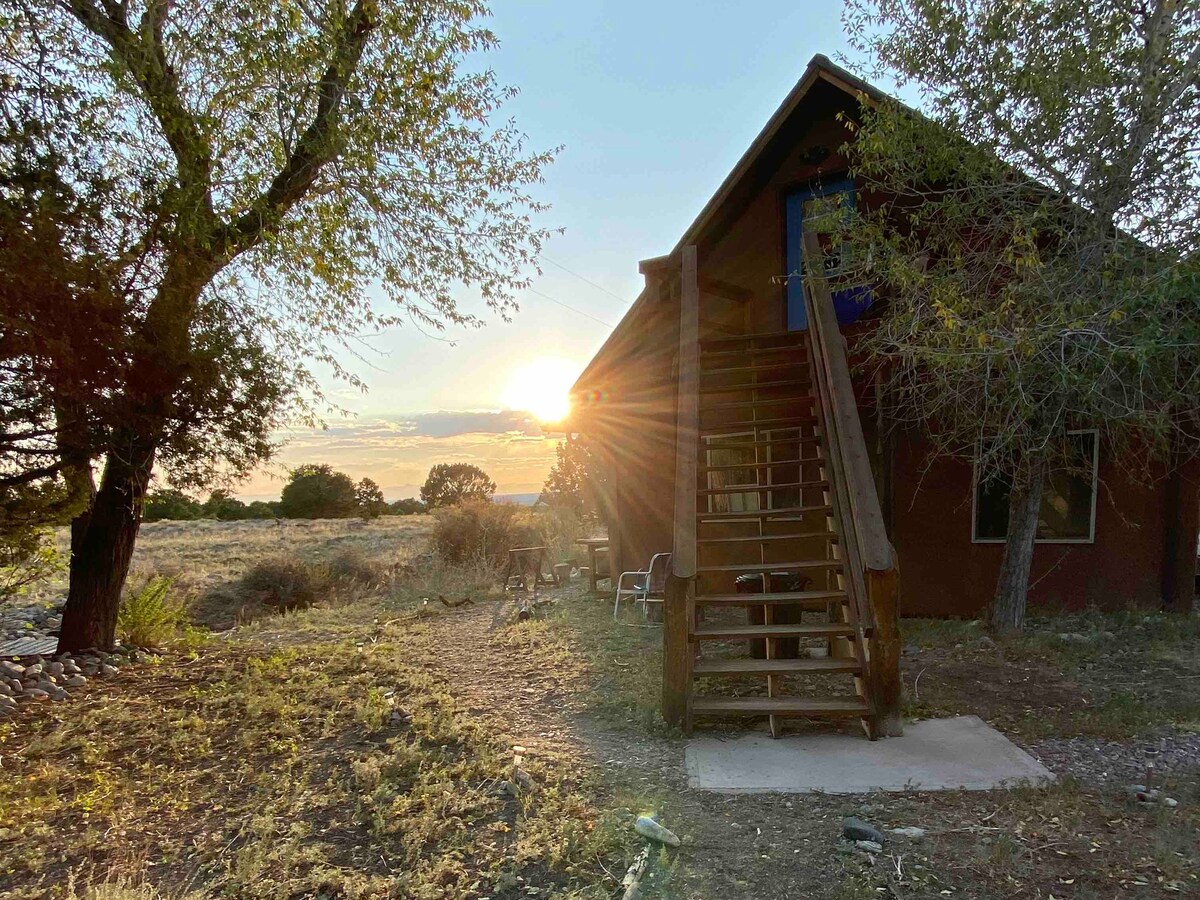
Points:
(398, 451)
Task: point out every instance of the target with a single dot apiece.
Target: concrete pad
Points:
(934, 755)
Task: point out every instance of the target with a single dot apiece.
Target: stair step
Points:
(822, 629)
(758, 488)
(765, 513)
(775, 464)
(780, 706)
(756, 404)
(787, 423)
(778, 567)
(796, 349)
(748, 445)
(815, 599)
(769, 538)
(796, 337)
(737, 370)
(774, 666)
(752, 386)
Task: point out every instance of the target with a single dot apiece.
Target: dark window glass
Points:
(1067, 498)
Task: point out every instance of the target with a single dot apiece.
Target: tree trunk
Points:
(1012, 586)
(102, 540)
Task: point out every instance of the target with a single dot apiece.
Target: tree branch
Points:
(316, 146)
(143, 56)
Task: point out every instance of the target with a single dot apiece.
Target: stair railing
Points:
(869, 560)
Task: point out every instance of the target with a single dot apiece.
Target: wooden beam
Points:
(678, 606)
(687, 419)
(725, 290)
(658, 264)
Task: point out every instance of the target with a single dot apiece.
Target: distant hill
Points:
(519, 499)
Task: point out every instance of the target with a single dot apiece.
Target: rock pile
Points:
(44, 678)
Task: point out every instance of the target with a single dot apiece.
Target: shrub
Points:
(27, 556)
(285, 582)
(482, 529)
(149, 616)
(353, 567)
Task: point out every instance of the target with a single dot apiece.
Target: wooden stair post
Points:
(679, 604)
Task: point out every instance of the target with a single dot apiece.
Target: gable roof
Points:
(819, 68)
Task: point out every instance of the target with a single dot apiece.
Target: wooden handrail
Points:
(872, 581)
(866, 513)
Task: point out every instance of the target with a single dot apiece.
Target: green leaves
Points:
(1037, 241)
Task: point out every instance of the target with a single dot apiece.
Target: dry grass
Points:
(331, 766)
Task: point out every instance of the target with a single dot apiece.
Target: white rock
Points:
(909, 831)
(869, 846)
(1170, 802)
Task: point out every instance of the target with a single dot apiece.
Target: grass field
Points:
(381, 744)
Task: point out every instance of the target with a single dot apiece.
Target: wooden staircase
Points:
(772, 630)
(783, 596)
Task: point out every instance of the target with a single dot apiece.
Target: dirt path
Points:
(1067, 841)
(763, 846)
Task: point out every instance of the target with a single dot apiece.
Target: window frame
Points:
(1091, 537)
(708, 477)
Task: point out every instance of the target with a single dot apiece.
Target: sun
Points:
(542, 387)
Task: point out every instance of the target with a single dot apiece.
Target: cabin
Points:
(733, 431)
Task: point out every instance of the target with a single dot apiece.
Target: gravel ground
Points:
(1096, 759)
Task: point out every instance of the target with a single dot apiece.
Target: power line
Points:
(586, 280)
(571, 308)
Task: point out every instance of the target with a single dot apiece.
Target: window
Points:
(1068, 512)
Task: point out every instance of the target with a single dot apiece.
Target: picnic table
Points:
(596, 546)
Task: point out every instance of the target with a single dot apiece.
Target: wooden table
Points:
(594, 546)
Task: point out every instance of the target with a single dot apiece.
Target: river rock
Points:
(648, 828)
(34, 693)
(855, 829)
(76, 681)
(106, 669)
(869, 846)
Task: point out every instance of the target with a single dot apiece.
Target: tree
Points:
(269, 167)
(451, 483)
(571, 482)
(318, 492)
(262, 509)
(369, 499)
(1037, 247)
(170, 503)
(223, 506)
(408, 506)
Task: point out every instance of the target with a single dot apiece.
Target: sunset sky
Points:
(654, 103)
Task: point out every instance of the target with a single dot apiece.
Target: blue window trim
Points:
(797, 318)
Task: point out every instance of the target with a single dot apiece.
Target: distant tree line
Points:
(313, 491)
